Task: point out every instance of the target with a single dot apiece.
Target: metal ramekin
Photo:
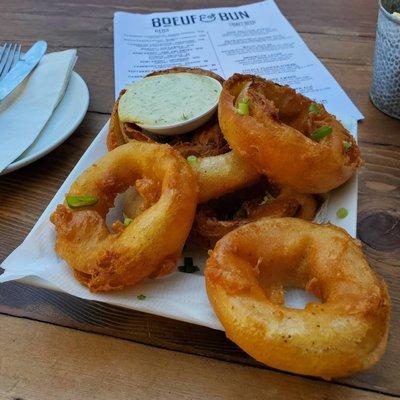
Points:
(385, 89)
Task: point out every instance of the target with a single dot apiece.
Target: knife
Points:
(22, 68)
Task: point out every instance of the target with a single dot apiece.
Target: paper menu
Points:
(255, 39)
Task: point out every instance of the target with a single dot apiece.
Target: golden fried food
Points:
(285, 135)
(217, 217)
(251, 266)
(219, 169)
(151, 243)
(222, 174)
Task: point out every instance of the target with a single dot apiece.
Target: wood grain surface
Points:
(76, 365)
(341, 33)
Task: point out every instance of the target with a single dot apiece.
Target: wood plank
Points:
(53, 362)
(357, 18)
(380, 174)
(348, 50)
(342, 35)
(80, 31)
(40, 185)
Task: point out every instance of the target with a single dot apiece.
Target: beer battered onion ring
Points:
(245, 278)
(280, 135)
(217, 217)
(152, 243)
(219, 169)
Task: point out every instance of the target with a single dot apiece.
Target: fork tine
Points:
(9, 61)
(4, 56)
(17, 55)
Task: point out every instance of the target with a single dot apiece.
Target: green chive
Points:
(81, 201)
(184, 116)
(243, 107)
(192, 160)
(342, 213)
(347, 145)
(188, 266)
(140, 296)
(314, 109)
(321, 132)
(127, 221)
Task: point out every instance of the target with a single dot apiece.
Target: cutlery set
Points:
(15, 66)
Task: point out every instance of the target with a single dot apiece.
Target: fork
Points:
(10, 53)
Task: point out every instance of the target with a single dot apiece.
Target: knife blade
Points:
(22, 68)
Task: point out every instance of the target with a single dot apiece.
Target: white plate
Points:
(65, 119)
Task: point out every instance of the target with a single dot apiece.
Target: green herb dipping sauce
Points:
(168, 99)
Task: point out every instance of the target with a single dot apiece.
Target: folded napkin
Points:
(25, 112)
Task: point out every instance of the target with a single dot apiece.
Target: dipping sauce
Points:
(169, 99)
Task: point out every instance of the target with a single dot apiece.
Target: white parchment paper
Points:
(179, 296)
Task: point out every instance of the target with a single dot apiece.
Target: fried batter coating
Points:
(219, 169)
(246, 276)
(217, 217)
(152, 243)
(285, 135)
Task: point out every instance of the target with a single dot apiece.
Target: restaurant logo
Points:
(168, 22)
(207, 17)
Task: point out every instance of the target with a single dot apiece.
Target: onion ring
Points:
(245, 278)
(219, 169)
(217, 217)
(285, 135)
(152, 243)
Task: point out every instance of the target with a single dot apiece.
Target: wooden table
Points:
(39, 360)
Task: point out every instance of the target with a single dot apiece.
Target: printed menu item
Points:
(253, 39)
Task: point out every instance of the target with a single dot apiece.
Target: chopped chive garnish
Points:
(127, 221)
(342, 213)
(347, 145)
(184, 116)
(188, 266)
(243, 107)
(314, 109)
(321, 132)
(192, 160)
(140, 296)
(81, 201)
